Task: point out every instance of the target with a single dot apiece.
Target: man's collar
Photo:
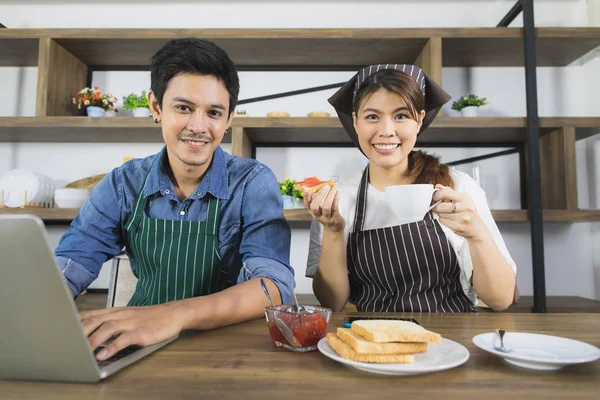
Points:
(215, 181)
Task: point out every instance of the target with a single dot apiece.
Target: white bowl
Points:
(70, 197)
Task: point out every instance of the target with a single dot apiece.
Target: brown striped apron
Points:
(404, 268)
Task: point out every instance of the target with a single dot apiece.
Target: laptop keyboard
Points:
(121, 354)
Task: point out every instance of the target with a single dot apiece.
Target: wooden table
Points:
(239, 362)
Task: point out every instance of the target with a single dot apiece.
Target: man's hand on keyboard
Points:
(140, 326)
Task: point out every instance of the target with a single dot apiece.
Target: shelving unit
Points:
(66, 59)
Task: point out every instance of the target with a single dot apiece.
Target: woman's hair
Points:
(422, 167)
(196, 56)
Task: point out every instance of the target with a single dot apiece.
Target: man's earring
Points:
(156, 120)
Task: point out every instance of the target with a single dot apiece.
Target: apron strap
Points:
(140, 206)
(361, 201)
(211, 224)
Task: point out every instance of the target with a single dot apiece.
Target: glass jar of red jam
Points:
(308, 326)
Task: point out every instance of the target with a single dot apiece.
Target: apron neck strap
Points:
(361, 201)
(212, 218)
(140, 204)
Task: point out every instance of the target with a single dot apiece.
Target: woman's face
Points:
(387, 130)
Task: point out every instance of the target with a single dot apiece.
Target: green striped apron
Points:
(173, 260)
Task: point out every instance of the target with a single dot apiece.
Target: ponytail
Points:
(424, 168)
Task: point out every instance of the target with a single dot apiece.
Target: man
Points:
(198, 225)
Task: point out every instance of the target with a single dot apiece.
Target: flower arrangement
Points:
(470, 100)
(134, 101)
(286, 188)
(87, 97)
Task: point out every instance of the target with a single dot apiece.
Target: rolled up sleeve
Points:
(266, 237)
(281, 274)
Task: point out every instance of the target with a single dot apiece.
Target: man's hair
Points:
(196, 56)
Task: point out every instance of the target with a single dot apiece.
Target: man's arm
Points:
(144, 326)
(94, 237)
(265, 250)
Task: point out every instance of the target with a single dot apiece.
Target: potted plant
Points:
(469, 104)
(95, 102)
(292, 198)
(138, 104)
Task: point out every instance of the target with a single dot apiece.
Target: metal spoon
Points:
(503, 349)
(283, 328)
(297, 308)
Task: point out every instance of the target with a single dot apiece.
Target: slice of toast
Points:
(347, 352)
(384, 331)
(312, 184)
(362, 346)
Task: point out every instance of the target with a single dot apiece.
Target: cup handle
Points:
(434, 205)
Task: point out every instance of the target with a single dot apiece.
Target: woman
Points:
(359, 250)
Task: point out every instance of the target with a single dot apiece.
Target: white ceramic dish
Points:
(540, 352)
(15, 183)
(439, 357)
(70, 197)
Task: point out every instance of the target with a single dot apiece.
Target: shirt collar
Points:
(215, 181)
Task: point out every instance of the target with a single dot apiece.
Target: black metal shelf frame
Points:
(533, 197)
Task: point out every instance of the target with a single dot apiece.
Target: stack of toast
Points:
(382, 341)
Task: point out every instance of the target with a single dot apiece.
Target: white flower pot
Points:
(469, 111)
(289, 202)
(141, 112)
(95, 111)
(110, 113)
(299, 203)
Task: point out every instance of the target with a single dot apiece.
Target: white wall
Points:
(562, 92)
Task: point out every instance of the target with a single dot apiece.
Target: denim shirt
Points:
(254, 236)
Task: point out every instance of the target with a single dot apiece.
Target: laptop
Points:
(41, 337)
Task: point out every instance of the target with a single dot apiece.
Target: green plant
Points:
(468, 101)
(93, 97)
(134, 101)
(286, 187)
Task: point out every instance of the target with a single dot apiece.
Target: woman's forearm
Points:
(330, 284)
(493, 278)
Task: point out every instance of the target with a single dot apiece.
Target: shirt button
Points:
(181, 212)
(167, 191)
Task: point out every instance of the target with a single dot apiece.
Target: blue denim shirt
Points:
(254, 236)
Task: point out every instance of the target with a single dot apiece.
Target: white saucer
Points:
(439, 357)
(541, 352)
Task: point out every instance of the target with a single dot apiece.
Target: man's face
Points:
(194, 117)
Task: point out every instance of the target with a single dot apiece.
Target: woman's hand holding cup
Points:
(457, 212)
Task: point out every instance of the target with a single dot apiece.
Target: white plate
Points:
(541, 352)
(15, 183)
(439, 357)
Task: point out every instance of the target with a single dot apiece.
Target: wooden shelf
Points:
(549, 215)
(315, 49)
(81, 130)
(282, 131)
(66, 215)
(503, 47)
(46, 214)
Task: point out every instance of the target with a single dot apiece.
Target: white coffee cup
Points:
(410, 202)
